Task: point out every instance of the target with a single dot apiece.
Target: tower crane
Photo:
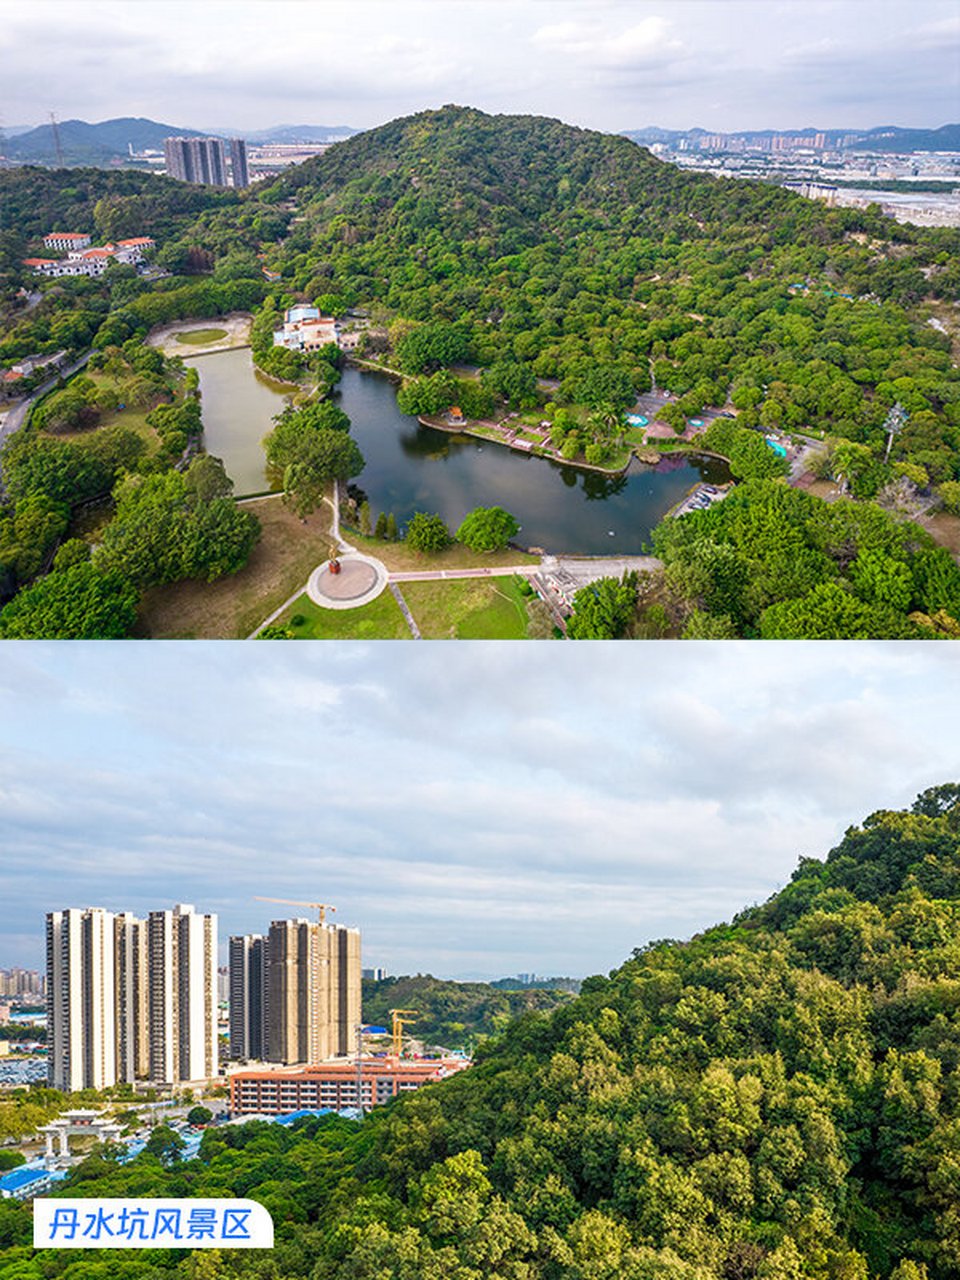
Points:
(320, 907)
(399, 1022)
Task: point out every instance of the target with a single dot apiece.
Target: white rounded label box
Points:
(146, 1223)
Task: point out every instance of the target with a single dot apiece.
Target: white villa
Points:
(304, 329)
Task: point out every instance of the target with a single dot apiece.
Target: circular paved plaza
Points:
(361, 579)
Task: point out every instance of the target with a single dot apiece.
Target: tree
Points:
(427, 533)
(165, 1143)
(77, 603)
(166, 528)
(432, 346)
(514, 381)
(487, 529)
(312, 447)
(604, 609)
(199, 1115)
(828, 612)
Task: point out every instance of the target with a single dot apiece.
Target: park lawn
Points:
(200, 337)
(233, 607)
(381, 619)
(468, 608)
(399, 558)
(130, 419)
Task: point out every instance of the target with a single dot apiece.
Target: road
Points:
(15, 417)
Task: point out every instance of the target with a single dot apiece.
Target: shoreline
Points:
(534, 451)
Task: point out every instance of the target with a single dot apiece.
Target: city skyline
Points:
(603, 64)
(478, 814)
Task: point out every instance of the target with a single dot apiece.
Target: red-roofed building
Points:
(278, 1090)
(66, 240)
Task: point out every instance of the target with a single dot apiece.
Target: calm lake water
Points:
(414, 468)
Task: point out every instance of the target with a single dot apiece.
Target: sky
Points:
(604, 64)
(477, 810)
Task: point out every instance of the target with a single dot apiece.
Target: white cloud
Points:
(645, 44)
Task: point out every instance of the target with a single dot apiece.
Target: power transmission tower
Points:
(56, 140)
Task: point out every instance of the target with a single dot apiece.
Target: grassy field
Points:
(131, 419)
(200, 337)
(381, 619)
(233, 607)
(468, 609)
(398, 557)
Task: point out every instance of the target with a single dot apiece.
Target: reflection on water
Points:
(413, 468)
(239, 406)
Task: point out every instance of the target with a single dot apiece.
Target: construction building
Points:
(275, 1091)
(306, 1007)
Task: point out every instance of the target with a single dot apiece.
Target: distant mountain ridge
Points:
(110, 140)
(882, 138)
(83, 143)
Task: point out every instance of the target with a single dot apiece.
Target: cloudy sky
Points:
(475, 809)
(604, 64)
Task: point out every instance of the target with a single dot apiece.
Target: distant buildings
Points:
(88, 261)
(239, 171)
(295, 994)
(204, 161)
(22, 982)
(199, 160)
(130, 998)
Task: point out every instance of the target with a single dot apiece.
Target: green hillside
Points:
(452, 1014)
(775, 1099)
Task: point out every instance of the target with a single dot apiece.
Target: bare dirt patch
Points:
(235, 327)
(945, 529)
(233, 607)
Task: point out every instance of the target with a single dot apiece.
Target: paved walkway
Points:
(405, 610)
(432, 575)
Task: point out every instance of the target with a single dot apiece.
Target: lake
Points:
(411, 468)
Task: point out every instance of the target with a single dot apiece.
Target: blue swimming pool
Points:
(778, 449)
(637, 419)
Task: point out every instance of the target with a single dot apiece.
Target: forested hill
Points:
(776, 1099)
(520, 241)
(452, 1014)
(502, 183)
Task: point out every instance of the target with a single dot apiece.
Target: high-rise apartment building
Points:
(239, 170)
(131, 985)
(81, 1015)
(182, 965)
(246, 997)
(308, 1004)
(128, 998)
(200, 160)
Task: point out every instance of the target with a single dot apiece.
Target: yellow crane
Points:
(321, 907)
(399, 1022)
